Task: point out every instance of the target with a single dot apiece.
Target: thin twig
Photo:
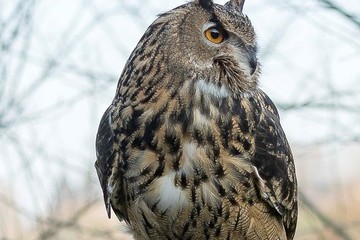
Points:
(322, 217)
(330, 4)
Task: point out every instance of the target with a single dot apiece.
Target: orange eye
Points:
(214, 35)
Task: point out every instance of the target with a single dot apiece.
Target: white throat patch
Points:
(212, 89)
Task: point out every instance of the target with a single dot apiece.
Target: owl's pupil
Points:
(215, 34)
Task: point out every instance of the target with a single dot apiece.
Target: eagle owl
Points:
(190, 147)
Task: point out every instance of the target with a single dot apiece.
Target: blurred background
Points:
(59, 66)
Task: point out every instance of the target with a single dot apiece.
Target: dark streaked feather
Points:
(274, 161)
(206, 4)
(106, 157)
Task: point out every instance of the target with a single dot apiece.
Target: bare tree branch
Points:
(326, 220)
(351, 18)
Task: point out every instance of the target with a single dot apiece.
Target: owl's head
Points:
(213, 42)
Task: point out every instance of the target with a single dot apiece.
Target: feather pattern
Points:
(190, 147)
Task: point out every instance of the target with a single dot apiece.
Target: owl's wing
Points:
(106, 165)
(275, 165)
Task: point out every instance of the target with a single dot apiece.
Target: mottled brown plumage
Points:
(190, 147)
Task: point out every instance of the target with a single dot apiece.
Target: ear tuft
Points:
(206, 4)
(238, 5)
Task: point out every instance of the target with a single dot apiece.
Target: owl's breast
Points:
(187, 155)
(186, 147)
